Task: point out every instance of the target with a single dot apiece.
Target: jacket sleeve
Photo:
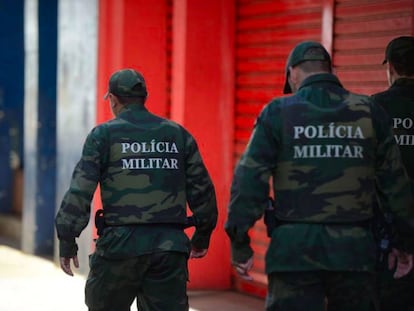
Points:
(201, 195)
(250, 186)
(74, 212)
(394, 185)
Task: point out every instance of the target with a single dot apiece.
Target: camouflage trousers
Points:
(158, 281)
(321, 290)
(396, 294)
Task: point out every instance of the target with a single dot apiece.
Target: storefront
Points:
(211, 66)
(222, 61)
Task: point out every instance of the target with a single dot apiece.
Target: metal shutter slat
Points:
(266, 31)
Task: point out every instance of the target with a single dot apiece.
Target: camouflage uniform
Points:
(148, 168)
(323, 148)
(398, 101)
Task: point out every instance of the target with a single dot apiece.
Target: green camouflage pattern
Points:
(298, 291)
(307, 247)
(398, 101)
(342, 138)
(325, 150)
(114, 284)
(120, 242)
(148, 169)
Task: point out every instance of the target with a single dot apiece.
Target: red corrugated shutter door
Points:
(169, 4)
(362, 30)
(265, 33)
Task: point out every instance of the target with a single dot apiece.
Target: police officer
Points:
(323, 148)
(148, 169)
(398, 101)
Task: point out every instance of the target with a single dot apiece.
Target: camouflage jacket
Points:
(398, 101)
(148, 168)
(324, 149)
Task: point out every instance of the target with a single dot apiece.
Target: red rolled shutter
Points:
(169, 4)
(265, 33)
(362, 29)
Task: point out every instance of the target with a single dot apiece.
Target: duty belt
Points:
(100, 223)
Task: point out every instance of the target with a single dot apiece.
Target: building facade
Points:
(209, 65)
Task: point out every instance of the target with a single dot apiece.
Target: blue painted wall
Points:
(11, 95)
(46, 136)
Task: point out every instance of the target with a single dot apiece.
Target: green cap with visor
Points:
(127, 83)
(301, 53)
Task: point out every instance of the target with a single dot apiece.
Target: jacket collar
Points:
(320, 78)
(404, 82)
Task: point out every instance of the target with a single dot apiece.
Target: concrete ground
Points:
(33, 283)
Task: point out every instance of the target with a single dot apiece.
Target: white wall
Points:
(30, 123)
(77, 81)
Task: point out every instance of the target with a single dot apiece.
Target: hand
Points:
(243, 269)
(401, 261)
(198, 253)
(65, 264)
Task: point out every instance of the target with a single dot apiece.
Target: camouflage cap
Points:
(300, 54)
(400, 50)
(127, 83)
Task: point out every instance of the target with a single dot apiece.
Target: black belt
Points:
(100, 223)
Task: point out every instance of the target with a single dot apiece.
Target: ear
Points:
(392, 74)
(293, 75)
(112, 103)
(390, 68)
(113, 100)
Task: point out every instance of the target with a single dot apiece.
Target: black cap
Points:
(400, 51)
(299, 54)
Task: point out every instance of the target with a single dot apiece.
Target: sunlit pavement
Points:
(32, 283)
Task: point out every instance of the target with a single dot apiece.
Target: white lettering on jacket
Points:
(329, 131)
(150, 163)
(406, 124)
(151, 147)
(157, 160)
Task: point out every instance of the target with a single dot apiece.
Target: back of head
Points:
(127, 84)
(311, 55)
(400, 53)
